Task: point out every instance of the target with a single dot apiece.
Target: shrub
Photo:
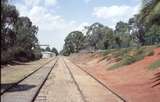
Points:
(149, 53)
(127, 59)
(128, 56)
(154, 65)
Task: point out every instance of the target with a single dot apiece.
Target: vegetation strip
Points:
(101, 83)
(78, 88)
(36, 94)
(25, 77)
(155, 64)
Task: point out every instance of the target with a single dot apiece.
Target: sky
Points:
(57, 18)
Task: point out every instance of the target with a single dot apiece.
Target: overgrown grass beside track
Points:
(155, 65)
(126, 56)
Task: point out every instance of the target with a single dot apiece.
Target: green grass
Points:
(154, 65)
(130, 55)
(115, 66)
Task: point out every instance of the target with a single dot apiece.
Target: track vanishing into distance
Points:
(83, 96)
(121, 98)
(68, 82)
(75, 82)
(19, 91)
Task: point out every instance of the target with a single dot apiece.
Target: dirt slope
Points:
(133, 82)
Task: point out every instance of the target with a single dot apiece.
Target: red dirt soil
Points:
(133, 82)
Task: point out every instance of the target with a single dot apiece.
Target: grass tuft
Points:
(130, 55)
(154, 65)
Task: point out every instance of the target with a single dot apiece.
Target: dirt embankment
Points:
(133, 82)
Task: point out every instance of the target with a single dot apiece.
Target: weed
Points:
(154, 65)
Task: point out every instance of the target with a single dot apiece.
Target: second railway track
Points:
(27, 88)
(17, 82)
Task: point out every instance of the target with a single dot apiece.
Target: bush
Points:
(149, 53)
(127, 59)
(7, 56)
(154, 65)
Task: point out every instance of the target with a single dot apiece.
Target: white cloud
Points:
(81, 27)
(30, 3)
(53, 28)
(50, 2)
(115, 13)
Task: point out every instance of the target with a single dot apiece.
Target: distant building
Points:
(46, 54)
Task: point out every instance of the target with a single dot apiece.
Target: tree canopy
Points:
(142, 29)
(18, 35)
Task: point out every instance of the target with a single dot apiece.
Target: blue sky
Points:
(56, 18)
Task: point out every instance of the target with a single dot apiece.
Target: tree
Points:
(54, 50)
(99, 36)
(47, 49)
(94, 35)
(18, 34)
(152, 36)
(73, 42)
(9, 16)
(150, 12)
(122, 36)
(150, 18)
(137, 30)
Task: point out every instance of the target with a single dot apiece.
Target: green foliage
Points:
(152, 36)
(142, 29)
(150, 12)
(18, 35)
(154, 65)
(123, 38)
(130, 55)
(47, 49)
(99, 36)
(54, 50)
(127, 59)
(73, 42)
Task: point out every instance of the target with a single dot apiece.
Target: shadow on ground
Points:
(156, 79)
(22, 87)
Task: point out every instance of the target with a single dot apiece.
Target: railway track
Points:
(26, 89)
(75, 82)
(118, 96)
(12, 85)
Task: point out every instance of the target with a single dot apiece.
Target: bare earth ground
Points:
(133, 82)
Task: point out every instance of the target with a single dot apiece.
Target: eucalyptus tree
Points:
(150, 12)
(94, 35)
(54, 50)
(9, 16)
(150, 17)
(18, 34)
(122, 36)
(48, 49)
(99, 36)
(137, 30)
(73, 42)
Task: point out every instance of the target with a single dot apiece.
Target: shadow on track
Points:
(22, 87)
